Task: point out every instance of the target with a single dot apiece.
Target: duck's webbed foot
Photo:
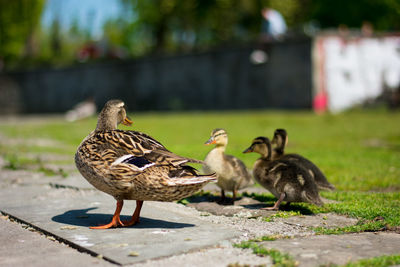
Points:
(135, 217)
(116, 221)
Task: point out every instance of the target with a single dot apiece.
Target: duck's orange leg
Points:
(116, 221)
(136, 214)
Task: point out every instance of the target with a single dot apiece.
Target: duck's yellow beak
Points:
(127, 121)
(210, 141)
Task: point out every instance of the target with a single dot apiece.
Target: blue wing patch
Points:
(140, 162)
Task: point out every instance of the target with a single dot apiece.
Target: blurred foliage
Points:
(170, 26)
(383, 14)
(180, 25)
(19, 21)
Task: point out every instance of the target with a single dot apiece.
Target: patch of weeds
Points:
(282, 214)
(375, 211)
(359, 227)
(183, 201)
(278, 258)
(269, 238)
(51, 172)
(264, 238)
(15, 162)
(381, 261)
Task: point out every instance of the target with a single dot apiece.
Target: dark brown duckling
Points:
(280, 140)
(285, 179)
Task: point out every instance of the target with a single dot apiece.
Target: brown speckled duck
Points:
(231, 171)
(132, 165)
(286, 180)
(280, 141)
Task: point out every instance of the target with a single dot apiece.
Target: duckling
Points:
(231, 172)
(285, 179)
(131, 165)
(280, 140)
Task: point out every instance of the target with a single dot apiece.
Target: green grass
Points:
(282, 214)
(381, 261)
(359, 151)
(278, 258)
(375, 210)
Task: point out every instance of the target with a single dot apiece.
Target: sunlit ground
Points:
(359, 150)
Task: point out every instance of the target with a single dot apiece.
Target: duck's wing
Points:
(158, 151)
(135, 149)
(238, 166)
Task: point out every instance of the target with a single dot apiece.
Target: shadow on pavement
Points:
(81, 217)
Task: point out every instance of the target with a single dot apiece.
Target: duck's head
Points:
(280, 139)
(218, 137)
(112, 115)
(260, 145)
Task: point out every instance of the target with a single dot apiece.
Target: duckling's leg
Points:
(234, 192)
(115, 219)
(277, 203)
(136, 214)
(222, 200)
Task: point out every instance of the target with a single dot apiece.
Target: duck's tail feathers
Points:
(326, 186)
(200, 179)
(195, 161)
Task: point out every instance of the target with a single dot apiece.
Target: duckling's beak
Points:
(210, 141)
(127, 121)
(248, 150)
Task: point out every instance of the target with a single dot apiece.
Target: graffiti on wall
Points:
(348, 72)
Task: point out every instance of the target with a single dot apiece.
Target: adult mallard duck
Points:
(133, 165)
(280, 140)
(231, 171)
(285, 179)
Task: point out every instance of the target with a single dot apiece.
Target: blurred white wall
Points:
(349, 71)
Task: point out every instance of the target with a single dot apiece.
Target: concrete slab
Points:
(337, 249)
(29, 177)
(22, 247)
(216, 257)
(68, 213)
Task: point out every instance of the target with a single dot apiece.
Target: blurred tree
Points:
(383, 14)
(19, 20)
(56, 38)
(176, 25)
(170, 25)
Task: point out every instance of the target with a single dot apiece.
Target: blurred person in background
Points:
(274, 25)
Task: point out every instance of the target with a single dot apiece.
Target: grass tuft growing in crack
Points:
(381, 261)
(278, 258)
